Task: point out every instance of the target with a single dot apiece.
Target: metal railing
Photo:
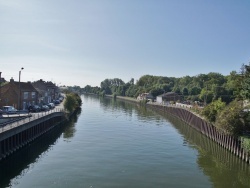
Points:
(30, 117)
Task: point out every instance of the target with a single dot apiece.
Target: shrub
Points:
(229, 120)
(210, 111)
(245, 143)
(72, 102)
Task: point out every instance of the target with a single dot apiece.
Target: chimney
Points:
(11, 80)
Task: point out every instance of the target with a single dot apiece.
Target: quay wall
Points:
(230, 143)
(18, 134)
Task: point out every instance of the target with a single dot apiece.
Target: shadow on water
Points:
(70, 129)
(21, 161)
(222, 167)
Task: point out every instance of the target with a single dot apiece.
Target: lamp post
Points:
(0, 88)
(19, 95)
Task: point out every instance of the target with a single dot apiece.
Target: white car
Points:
(9, 110)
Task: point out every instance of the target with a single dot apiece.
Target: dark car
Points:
(34, 108)
(45, 108)
(56, 102)
(51, 105)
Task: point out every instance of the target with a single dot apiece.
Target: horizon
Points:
(62, 85)
(85, 42)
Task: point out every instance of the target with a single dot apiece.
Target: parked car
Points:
(9, 110)
(34, 108)
(56, 102)
(51, 105)
(61, 99)
(45, 108)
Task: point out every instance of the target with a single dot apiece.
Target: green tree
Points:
(206, 96)
(195, 90)
(211, 110)
(245, 86)
(70, 103)
(229, 120)
(185, 91)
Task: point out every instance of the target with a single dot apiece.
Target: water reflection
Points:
(103, 150)
(70, 129)
(128, 108)
(215, 161)
(22, 161)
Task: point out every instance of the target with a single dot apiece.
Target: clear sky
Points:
(80, 42)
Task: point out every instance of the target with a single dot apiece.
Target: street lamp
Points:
(19, 95)
(0, 87)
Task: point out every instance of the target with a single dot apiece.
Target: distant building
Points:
(14, 92)
(167, 97)
(48, 91)
(145, 96)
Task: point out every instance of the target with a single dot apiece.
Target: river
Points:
(113, 143)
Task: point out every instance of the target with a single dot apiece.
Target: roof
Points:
(25, 86)
(40, 85)
(167, 94)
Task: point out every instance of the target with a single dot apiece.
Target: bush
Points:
(210, 111)
(245, 143)
(72, 102)
(229, 120)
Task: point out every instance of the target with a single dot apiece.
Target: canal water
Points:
(112, 143)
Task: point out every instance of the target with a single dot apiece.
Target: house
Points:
(18, 94)
(167, 97)
(53, 91)
(145, 96)
(47, 91)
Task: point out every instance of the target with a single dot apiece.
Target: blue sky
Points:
(82, 42)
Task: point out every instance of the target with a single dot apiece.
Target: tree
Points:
(229, 120)
(70, 102)
(210, 111)
(206, 95)
(245, 90)
(195, 90)
(185, 91)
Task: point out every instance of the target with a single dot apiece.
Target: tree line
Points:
(203, 87)
(225, 96)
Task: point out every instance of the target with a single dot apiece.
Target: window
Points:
(33, 95)
(25, 95)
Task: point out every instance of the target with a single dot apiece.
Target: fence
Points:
(25, 119)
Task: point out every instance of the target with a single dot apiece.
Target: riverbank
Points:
(230, 143)
(124, 98)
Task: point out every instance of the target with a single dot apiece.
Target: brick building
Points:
(47, 91)
(23, 93)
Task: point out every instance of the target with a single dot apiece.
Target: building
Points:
(53, 91)
(47, 91)
(145, 96)
(20, 95)
(167, 97)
